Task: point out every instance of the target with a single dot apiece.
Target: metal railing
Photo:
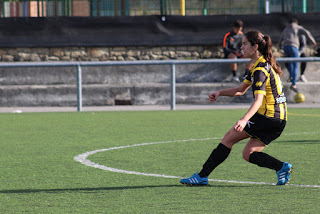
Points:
(172, 63)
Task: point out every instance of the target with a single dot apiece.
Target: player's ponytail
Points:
(265, 48)
(268, 55)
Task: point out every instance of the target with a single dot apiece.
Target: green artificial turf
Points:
(38, 173)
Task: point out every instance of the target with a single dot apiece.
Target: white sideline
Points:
(83, 159)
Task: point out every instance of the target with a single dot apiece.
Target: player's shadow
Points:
(30, 191)
(299, 141)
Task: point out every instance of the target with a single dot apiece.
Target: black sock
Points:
(264, 160)
(302, 67)
(217, 156)
(234, 73)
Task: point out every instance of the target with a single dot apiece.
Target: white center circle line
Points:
(83, 159)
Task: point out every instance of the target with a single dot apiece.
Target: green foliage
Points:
(39, 175)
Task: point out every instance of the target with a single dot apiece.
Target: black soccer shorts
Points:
(263, 128)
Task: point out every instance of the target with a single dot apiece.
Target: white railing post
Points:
(79, 88)
(173, 87)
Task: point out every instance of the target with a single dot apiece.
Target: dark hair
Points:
(264, 47)
(238, 24)
(293, 20)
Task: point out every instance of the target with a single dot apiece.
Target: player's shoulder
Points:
(260, 70)
(260, 66)
(227, 34)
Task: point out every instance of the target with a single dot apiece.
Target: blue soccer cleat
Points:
(284, 173)
(195, 180)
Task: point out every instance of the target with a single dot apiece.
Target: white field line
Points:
(83, 159)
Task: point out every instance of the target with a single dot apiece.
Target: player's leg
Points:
(263, 131)
(222, 151)
(295, 73)
(253, 154)
(218, 155)
(287, 67)
(293, 67)
(303, 66)
(295, 70)
(288, 53)
(233, 67)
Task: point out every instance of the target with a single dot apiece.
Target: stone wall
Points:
(108, 53)
(116, 53)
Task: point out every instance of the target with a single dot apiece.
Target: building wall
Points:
(80, 8)
(153, 7)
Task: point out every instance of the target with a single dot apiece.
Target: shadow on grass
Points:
(299, 141)
(29, 191)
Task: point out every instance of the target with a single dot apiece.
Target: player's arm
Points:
(239, 126)
(309, 36)
(226, 44)
(230, 92)
(280, 41)
(239, 52)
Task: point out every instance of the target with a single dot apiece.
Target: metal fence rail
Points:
(173, 64)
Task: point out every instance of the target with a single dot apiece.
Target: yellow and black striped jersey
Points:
(266, 81)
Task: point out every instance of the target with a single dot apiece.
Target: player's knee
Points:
(246, 155)
(232, 56)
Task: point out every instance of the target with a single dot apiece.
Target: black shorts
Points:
(226, 54)
(265, 129)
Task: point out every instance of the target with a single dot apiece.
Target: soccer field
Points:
(131, 162)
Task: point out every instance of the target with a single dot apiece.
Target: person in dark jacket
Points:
(231, 47)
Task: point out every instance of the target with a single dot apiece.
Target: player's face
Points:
(236, 30)
(246, 48)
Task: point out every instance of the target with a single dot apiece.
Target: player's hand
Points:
(239, 126)
(214, 96)
(238, 53)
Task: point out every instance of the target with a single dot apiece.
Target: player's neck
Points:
(255, 57)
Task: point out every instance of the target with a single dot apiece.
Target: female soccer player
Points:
(265, 119)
